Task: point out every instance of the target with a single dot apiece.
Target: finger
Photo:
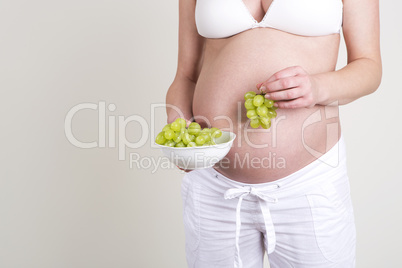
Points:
(188, 122)
(292, 104)
(185, 170)
(289, 71)
(289, 94)
(284, 83)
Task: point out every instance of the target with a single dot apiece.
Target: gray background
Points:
(62, 206)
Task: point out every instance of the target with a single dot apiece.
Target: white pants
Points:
(303, 220)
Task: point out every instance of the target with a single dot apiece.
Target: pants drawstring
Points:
(263, 199)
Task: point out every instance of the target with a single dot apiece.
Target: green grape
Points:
(194, 125)
(269, 103)
(194, 128)
(160, 138)
(169, 134)
(249, 104)
(262, 110)
(254, 123)
(170, 143)
(175, 126)
(180, 144)
(266, 126)
(259, 109)
(204, 132)
(191, 144)
(249, 95)
(265, 120)
(208, 143)
(200, 140)
(252, 114)
(176, 134)
(258, 100)
(183, 131)
(194, 131)
(217, 133)
(192, 137)
(271, 113)
(207, 137)
(182, 122)
(177, 137)
(165, 128)
(186, 138)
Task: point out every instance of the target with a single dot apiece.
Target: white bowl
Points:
(201, 156)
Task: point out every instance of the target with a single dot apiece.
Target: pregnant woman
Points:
(282, 190)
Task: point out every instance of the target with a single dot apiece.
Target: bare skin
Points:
(296, 71)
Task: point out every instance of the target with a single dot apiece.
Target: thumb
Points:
(188, 122)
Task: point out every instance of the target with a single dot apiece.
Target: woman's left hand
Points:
(291, 88)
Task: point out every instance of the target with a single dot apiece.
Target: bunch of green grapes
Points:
(259, 109)
(177, 135)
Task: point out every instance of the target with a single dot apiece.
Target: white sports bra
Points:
(224, 18)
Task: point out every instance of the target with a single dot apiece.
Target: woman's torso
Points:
(233, 66)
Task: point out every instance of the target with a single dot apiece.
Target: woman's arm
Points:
(191, 44)
(362, 75)
(294, 88)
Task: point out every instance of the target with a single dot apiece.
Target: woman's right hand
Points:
(179, 100)
(185, 170)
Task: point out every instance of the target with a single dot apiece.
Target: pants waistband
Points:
(329, 165)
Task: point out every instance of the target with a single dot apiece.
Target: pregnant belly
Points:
(297, 136)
